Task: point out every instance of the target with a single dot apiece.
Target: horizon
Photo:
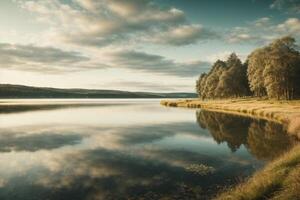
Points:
(132, 45)
(74, 88)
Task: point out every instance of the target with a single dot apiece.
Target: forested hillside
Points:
(20, 91)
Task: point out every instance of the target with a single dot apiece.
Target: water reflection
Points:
(7, 107)
(267, 140)
(264, 139)
(231, 129)
(129, 151)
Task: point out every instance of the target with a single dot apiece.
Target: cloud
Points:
(42, 59)
(183, 35)
(151, 133)
(109, 22)
(157, 64)
(238, 36)
(40, 54)
(263, 31)
(35, 142)
(290, 26)
(146, 86)
(291, 6)
(139, 163)
(54, 60)
(262, 21)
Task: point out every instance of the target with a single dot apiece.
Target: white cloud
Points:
(291, 6)
(150, 63)
(147, 85)
(43, 59)
(263, 30)
(290, 26)
(109, 22)
(183, 35)
(54, 60)
(262, 21)
(237, 37)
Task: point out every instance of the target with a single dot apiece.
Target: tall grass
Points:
(279, 180)
(294, 126)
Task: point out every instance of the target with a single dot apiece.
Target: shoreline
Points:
(286, 113)
(279, 179)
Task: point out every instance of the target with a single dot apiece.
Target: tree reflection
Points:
(225, 128)
(267, 140)
(264, 139)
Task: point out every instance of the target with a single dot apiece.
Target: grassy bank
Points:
(284, 112)
(279, 180)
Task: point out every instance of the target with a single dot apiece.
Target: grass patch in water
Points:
(200, 169)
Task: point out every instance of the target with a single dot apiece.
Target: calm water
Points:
(127, 149)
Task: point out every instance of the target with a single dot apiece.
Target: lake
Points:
(127, 149)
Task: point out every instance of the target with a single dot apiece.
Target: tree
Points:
(256, 66)
(233, 81)
(200, 83)
(272, 71)
(282, 69)
(212, 79)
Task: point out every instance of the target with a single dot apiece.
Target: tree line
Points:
(272, 71)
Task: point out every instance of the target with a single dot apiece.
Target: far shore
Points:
(286, 113)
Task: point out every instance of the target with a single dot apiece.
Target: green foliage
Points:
(282, 69)
(256, 65)
(225, 79)
(200, 84)
(272, 71)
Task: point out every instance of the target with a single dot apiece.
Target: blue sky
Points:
(136, 45)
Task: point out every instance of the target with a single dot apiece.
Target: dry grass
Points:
(284, 112)
(294, 126)
(278, 180)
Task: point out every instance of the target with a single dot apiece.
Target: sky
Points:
(134, 45)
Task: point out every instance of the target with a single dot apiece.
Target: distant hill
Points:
(21, 91)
